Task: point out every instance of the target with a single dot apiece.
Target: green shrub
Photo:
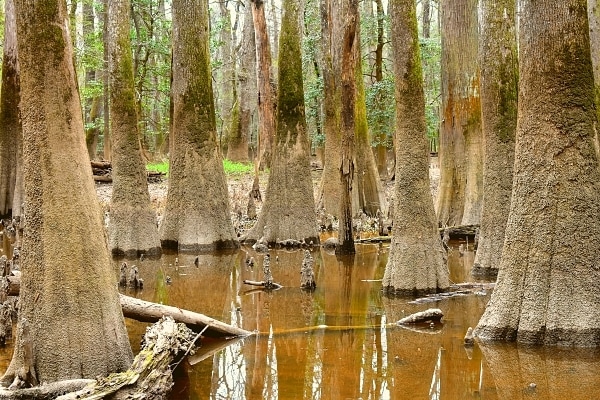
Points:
(231, 168)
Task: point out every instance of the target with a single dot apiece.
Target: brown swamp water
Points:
(359, 355)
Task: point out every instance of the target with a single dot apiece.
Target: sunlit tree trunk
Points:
(416, 261)
(461, 154)
(499, 89)
(132, 223)
(266, 98)
(548, 280)
(289, 208)
(197, 215)
(11, 134)
(70, 320)
(594, 22)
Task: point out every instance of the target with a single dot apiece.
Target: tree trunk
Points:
(367, 192)
(105, 80)
(499, 89)
(594, 22)
(132, 226)
(197, 215)
(244, 110)
(69, 299)
(350, 42)
(461, 161)
(547, 289)
(330, 189)
(416, 261)
(381, 139)
(289, 209)
(266, 109)
(93, 105)
(10, 124)
(227, 90)
(426, 6)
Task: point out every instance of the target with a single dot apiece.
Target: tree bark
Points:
(348, 126)
(11, 134)
(76, 327)
(461, 158)
(93, 106)
(227, 90)
(426, 6)
(243, 120)
(266, 98)
(330, 189)
(594, 22)
(416, 261)
(132, 225)
(547, 289)
(197, 215)
(499, 89)
(289, 209)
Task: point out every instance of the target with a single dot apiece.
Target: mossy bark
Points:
(549, 276)
(367, 192)
(132, 226)
(197, 215)
(416, 261)
(69, 296)
(10, 124)
(289, 208)
(461, 151)
(594, 22)
(499, 89)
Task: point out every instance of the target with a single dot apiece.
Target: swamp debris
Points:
(145, 311)
(457, 290)
(307, 275)
(102, 172)
(150, 375)
(267, 283)
(432, 315)
(469, 338)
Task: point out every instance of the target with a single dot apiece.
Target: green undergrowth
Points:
(230, 167)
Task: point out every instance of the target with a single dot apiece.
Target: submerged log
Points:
(432, 315)
(146, 311)
(263, 284)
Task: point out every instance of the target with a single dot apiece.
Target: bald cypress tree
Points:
(197, 214)
(289, 208)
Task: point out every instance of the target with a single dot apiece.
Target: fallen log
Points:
(145, 311)
(432, 315)
(263, 284)
(457, 232)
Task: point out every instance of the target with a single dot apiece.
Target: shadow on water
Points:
(338, 341)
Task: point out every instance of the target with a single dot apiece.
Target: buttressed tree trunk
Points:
(197, 216)
(499, 87)
(289, 208)
(416, 261)
(132, 225)
(266, 110)
(549, 279)
(70, 320)
(461, 161)
(10, 125)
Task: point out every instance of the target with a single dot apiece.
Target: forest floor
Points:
(239, 187)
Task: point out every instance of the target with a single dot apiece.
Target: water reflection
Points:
(339, 342)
